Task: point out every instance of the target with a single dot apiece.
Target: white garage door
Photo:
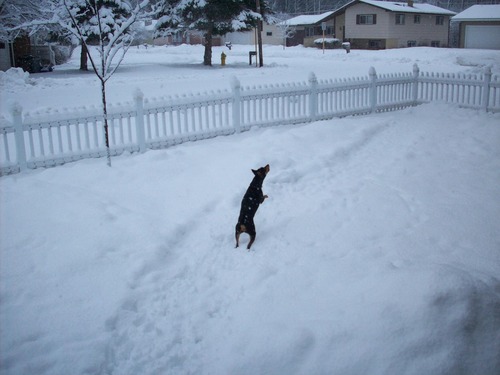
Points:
(487, 37)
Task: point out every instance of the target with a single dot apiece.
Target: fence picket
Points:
(6, 147)
(19, 136)
(53, 138)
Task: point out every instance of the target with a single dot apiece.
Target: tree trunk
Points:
(105, 111)
(259, 41)
(259, 34)
(83, 58)
(207, 57)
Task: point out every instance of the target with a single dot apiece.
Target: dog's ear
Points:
(254, 172)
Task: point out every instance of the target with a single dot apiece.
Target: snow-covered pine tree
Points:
(212, 17)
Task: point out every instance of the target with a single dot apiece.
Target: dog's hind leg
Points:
(237, 239)
(252, 233)
(239, 229)
(252, 239)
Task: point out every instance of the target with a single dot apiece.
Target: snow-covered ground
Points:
(163, 71)
(377, 252)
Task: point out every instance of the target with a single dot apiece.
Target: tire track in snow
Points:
(351, 180)
(333, 163)
(320, 181)
(157, 311)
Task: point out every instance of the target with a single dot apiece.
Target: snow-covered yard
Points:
(377, 252)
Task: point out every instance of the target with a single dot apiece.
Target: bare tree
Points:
(18, 16)
(286, 31)
(109, 21)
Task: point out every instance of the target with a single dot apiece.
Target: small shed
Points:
(479, 27)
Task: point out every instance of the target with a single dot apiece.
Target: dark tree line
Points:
(294, 7)
(460, 5)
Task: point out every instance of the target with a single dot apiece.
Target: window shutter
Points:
(357, 19)
(374, 19)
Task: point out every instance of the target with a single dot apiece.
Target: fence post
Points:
(17, 117)
(313, 96)
(373, 89)
(139, 120)
(486, 88)
(416, 73)
(236, 87)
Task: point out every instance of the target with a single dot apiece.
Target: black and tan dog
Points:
(249, 205)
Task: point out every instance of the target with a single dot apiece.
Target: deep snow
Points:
(377, 251)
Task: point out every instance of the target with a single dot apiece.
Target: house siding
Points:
(423, 33)
(380, 30)
(340, 27)
(271, 34)
(391, 35)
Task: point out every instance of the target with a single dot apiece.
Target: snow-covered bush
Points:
(330, 43)
(62, 53)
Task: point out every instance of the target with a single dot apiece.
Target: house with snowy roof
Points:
(374, 24)
(309, 27)
(479, 27)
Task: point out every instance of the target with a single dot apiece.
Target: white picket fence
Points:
(58, 137)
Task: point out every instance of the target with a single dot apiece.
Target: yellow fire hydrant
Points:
(223, 59)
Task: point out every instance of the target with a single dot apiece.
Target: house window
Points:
(400, 19)
(412, 43)
(313, 31)
(366, 19)
(2, 45)
(435, 43)
(269, 33)
(439, 20)
(416, 18)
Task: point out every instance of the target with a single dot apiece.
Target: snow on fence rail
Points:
(58, 137)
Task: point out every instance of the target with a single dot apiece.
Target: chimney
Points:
(410, 3)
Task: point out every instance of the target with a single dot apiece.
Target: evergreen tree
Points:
(212, 17)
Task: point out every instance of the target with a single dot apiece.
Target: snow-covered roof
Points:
(403, 7)
(309, 19)
(393, 6)
(479, 13)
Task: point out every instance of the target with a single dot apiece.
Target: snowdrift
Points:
(376, 253)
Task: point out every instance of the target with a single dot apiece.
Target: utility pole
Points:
(259, 34)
